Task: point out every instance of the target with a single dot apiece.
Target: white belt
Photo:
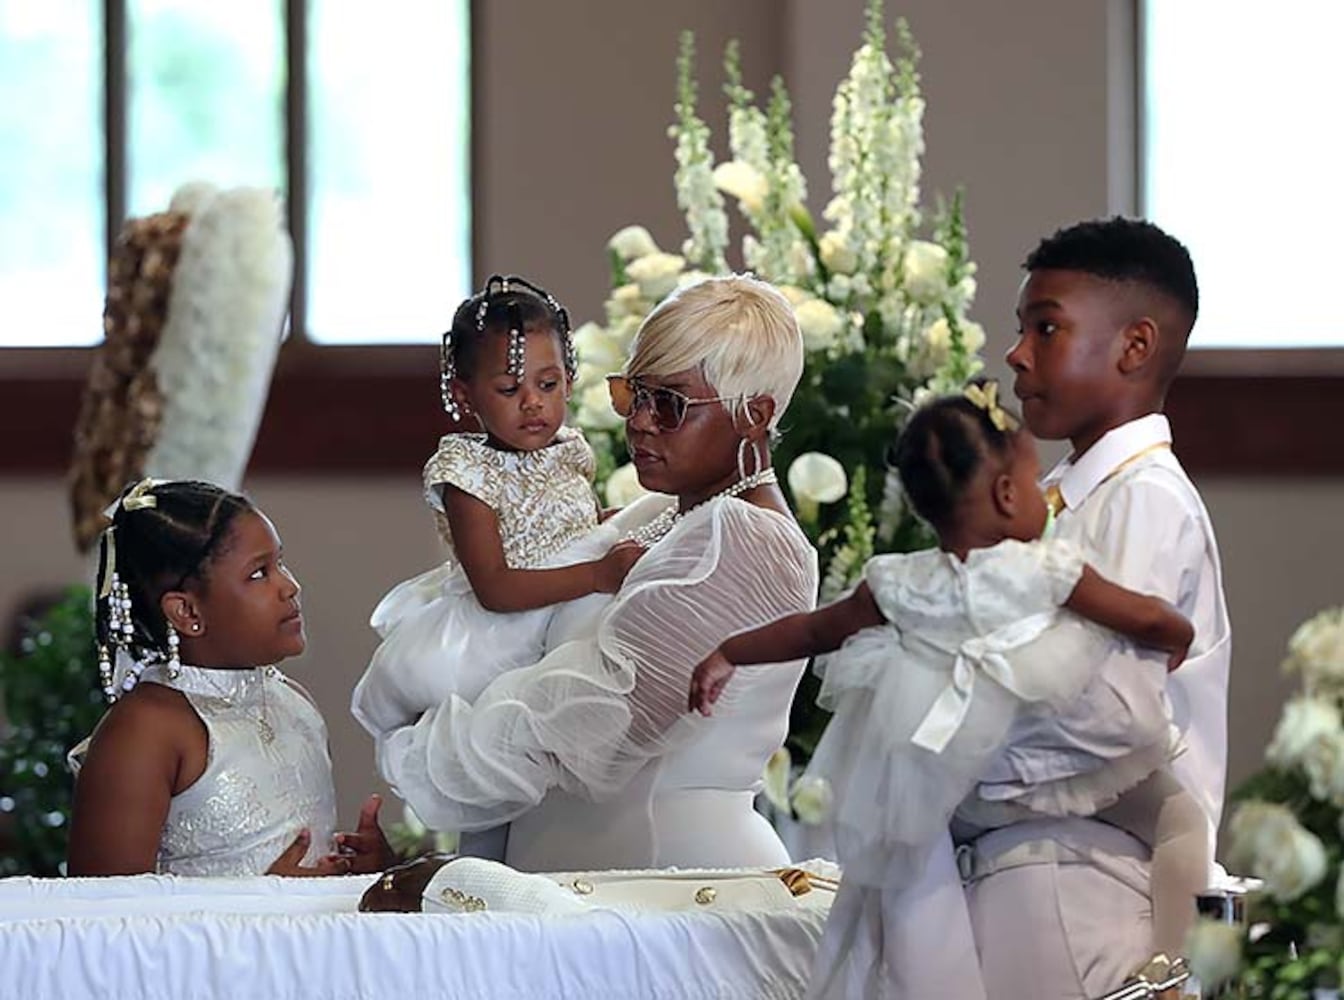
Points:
(1058, 842)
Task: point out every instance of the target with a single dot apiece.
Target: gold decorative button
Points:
(706, 895)
(583, 887)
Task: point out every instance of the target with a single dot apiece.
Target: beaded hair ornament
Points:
(496, 287)
(113, 609)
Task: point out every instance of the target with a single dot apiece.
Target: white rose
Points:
(1267, 840)
(656, 273)
(776, 781)
(839, 287)
(623, 486)
(1303, 720)
(924, 271)
(597, 347)
(632, 242)
(1317, 647)
(836, 254)
(595, 410)
(1214, 951)
(820, 322)
(1323, 762)
(744, 182)
(812, 799)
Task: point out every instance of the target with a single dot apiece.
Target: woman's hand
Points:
(290, 863)
(609, 571)
(708, 681)
(367, 849)
(399, 889)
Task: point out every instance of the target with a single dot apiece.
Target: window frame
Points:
(343, 410)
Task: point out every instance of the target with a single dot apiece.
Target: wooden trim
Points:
(116, 44)
(362, 411)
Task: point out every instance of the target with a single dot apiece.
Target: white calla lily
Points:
(776, 779)
(812, 799)
(814, 479)
(744, 182)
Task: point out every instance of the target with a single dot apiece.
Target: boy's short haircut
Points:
(1128, 250)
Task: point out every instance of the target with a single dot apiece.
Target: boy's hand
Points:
(366, 850)
(290, 862)
(609, 571)
(1173, 634)
(708, 681)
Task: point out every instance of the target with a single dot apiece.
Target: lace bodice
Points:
(267, 775)
(544, 499)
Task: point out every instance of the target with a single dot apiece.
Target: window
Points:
(1242, 159)
(371, 138)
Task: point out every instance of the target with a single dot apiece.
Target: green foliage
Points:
(51, 701)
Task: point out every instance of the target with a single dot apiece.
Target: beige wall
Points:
(574, 105)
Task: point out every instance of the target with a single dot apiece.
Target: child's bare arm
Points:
(1149, 621)
(804, 634)
(475, 530)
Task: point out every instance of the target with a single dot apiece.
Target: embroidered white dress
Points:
(591, 752)
(437, 638)
(267, 777)
(922, 705)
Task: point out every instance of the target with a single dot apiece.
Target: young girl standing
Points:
(210, 761)
(939, 649)
(514, 503)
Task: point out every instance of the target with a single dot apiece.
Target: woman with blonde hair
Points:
(590, 754)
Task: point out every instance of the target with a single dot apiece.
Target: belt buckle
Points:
(965, 860)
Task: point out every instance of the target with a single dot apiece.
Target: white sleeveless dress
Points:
(267, 777)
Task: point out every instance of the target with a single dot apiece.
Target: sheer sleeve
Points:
(595, 710)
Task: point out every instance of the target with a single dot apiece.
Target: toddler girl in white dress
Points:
(515, 505)
(939, 649)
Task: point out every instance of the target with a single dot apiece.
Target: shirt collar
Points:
(1078, 478)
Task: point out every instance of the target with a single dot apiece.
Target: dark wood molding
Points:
(362, 411)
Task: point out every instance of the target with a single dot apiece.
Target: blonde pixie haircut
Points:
(739, 331)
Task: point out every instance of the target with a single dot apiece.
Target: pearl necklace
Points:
(646, 535)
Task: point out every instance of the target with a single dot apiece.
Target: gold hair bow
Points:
(986, 397)
(139, 498)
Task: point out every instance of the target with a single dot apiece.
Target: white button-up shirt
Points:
(1143, 526)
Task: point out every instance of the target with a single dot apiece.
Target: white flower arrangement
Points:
(225, 315)
(1288, 831)
(881, 298)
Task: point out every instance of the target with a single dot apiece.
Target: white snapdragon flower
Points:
(1302, 721)
(631, 243)
(624, 487)
(1214, 951)
(1267, 840)
(656, 274)
(924, 271)
(627, 300)
(836, 255)
(743, 182)
(812, 799)
(820, 322)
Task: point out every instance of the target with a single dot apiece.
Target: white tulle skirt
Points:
(893, 798)
(439, 641)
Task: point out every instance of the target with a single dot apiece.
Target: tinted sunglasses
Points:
(666, 406)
